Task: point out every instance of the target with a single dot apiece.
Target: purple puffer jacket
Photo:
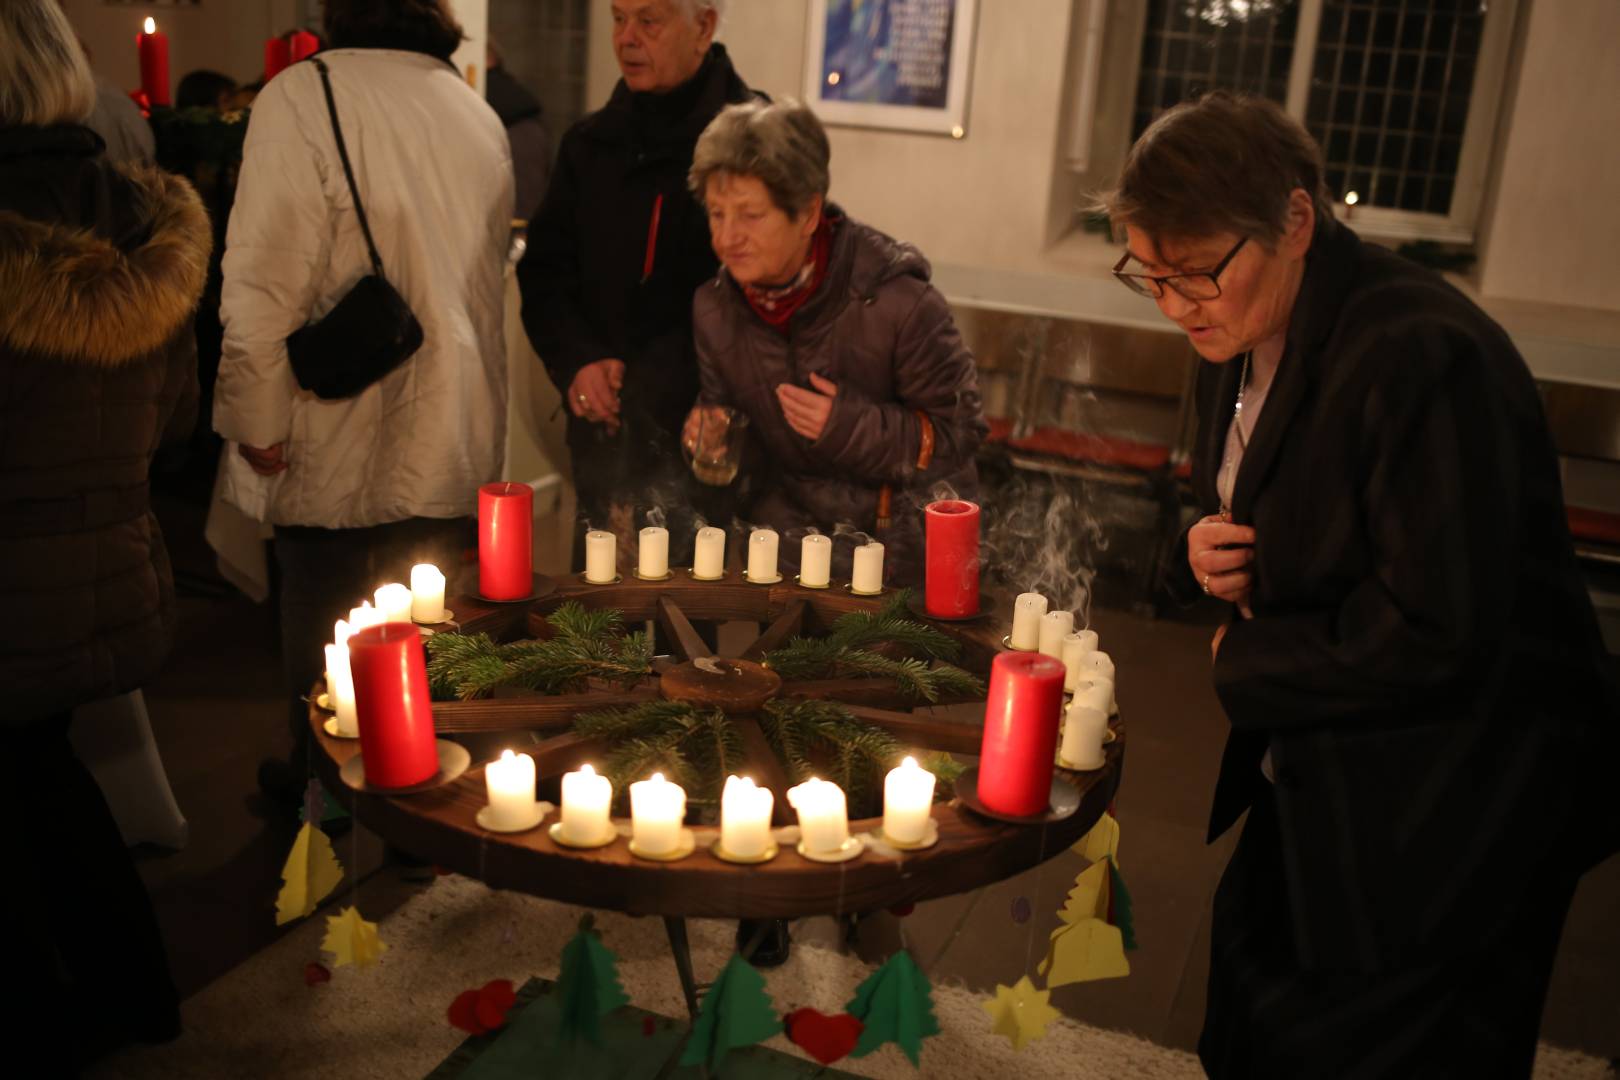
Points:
(878, 329)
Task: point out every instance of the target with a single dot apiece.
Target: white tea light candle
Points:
(654, 552)
(1076, 647)
(908, 802)
(762, 556)
(394, 603)
(1097, 692)
(823, 815)
(1097, 663)
(427, 593)
(1054, 627)
(815, 561)
(340, 690)
(510, 783)
(1026, 627)
(745, 818)
(867, 576)
(586, 798)
(657, 808)
(1083, 730)
(709, 557)
(601, 557)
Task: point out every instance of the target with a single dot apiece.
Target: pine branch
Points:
(574, 620)
(586, 645)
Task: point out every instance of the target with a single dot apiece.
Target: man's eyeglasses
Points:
(1204, 285)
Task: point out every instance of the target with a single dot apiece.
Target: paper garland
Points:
(895, 1004)
(352, 940)
(588, 984)
(825, 1038)
(736, 1012)
(1020, 1012)
(310, 874)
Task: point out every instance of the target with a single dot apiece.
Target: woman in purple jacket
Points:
(862, 398)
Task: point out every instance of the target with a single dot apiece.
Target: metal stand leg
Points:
(682, 950)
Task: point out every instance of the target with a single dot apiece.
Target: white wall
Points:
(227, 37)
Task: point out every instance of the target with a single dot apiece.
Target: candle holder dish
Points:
(453, 761)
(1062, 802)
(486, 818)
(918, 606)
(762, 581)
(331, 728)
(323, 702)
(614, 580)
(448, 617)
(557, 837)
(695, 576)
(849, 587)
(683, 847)
(1006, 643)
(930, 837)
(770, 852)
(543, 587)
(851, 848)
(806, 585)
(665, 576)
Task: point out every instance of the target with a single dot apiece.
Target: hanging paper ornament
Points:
(1119, 910)
(319, 806)
(896, 1005)
(352, 940)
(825, 1038)
(1084, 946)
(1020, 1012)
(588, 985)
(481, 1011)
(316, 974)
(1102, 842)
(1022, 910)
(309, 875)
(736, 1011)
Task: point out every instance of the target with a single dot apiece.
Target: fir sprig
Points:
(586, 644)
(696, 748)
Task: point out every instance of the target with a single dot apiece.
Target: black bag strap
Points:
(348, 170)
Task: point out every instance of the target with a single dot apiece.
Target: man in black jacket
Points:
(615, 254)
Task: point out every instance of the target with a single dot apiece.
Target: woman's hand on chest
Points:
(807, 410)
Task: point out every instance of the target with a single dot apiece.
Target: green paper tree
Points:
(896, 1004)
(588, 986)
(1119, 912)
(736, 1012)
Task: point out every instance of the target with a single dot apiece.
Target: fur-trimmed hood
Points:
(72, 294)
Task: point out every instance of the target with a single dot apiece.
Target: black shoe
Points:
(769, 940)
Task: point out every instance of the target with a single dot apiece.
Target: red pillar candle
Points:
(277, 55)
(304, 45)
(505, 541)
(153, 48)
(1021, 718)
(392, 705)
(951, 579)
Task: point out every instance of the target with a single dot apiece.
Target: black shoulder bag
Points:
(371, 331)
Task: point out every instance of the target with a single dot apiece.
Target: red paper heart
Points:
(315, 974)
(648, 1027)
(900, 911)
(464, 1013)
(494, 999)
(825, 1038)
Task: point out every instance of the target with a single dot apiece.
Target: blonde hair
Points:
(44, 76)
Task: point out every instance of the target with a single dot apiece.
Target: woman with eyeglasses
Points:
(1418, 693)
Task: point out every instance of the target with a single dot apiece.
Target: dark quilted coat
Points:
(100, 271)
(879, 330)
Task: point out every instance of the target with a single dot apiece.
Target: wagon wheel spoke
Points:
(925, 732)
(550, 713)
(683, 636)
(785, 626)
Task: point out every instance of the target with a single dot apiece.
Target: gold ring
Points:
(1206, 585)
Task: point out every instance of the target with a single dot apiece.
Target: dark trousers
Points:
(1472, 1016)
(325, 572)
(78, 908)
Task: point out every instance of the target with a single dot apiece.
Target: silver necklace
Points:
(1237, 409)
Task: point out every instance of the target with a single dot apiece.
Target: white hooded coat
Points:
(434, 170)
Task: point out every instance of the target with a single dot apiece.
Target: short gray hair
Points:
(44, 76)
(693, 9)
(781, 144)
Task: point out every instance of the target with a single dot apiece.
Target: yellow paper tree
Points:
(352, 940)
(310, 874)
(1085, 946)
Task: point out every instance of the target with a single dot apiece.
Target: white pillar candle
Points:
(823, 814)
(654, 552)
(1083, 731)
(1097, 692)
(340, 690)
(709, 557)
(868, 573)
(394, 603)
(601, 557)
(1054, 627)
(908, 802)
(762, 555)
(510, 782)
(745, 818)
(657, 808)
(1076, 647)
(363, 616)
(1098, 663)
(427, 593)
(1026, 627)
(586, 798)
(815, 561)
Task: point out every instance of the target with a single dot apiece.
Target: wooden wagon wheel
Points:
(973, 851)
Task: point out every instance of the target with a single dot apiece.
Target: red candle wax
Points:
(951, 578)
(505, 541)
(277, 55)
(1021, 716)
(153, 47)
(392, 705)
(304, 45)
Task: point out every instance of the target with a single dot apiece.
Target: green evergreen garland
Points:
(587, 644)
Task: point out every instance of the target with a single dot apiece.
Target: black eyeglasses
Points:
(1204, 285)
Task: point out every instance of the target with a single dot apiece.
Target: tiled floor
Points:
(217, 710)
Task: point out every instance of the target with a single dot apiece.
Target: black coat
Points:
(598, 282)
(100, 271)
(1423, 662)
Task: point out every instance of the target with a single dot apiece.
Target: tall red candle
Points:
(951, 578)
(505, 541)
(392, 705)
(277, 55)
(153, 48)
(1021, 718)
(304, 45)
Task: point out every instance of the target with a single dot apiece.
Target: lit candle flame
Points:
(658, 778)
(1351, 198)
(507, 755)
(587, 770)
(151, 25)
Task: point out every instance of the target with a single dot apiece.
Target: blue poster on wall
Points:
(891, 63)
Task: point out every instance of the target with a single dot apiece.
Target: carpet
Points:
(387, 1022)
